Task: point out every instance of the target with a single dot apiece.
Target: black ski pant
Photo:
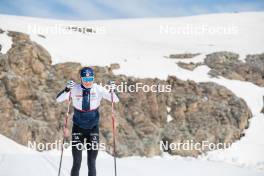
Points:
(80, 138)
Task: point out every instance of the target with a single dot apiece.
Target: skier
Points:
(86, 99)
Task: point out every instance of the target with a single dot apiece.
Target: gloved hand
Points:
(112, 86)
(70, 84)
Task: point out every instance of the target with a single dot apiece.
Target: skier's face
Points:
(87, 81)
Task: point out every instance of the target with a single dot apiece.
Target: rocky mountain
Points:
(228, 65)
(193, 111)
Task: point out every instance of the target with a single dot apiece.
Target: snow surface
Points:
(139, 47)
(5, 42)
(32, 163)
(134, 43)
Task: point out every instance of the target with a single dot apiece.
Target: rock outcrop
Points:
(228, 65)
(203, 112)
(28, 110)
(189, 66)
(183, 55)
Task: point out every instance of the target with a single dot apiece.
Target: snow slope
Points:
(140, 41)
(139, 46)
(5, 42)
(31, 163)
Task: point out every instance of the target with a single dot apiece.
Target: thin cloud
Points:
(108, 9)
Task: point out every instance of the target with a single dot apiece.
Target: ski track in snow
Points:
(54, 166)
(2, 159)
(32, 165)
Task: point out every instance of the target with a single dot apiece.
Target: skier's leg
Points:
(77, 160)
(77, 140)
(92, 153)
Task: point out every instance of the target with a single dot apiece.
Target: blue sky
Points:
(112, 9)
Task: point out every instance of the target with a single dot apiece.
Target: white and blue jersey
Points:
(86, 102)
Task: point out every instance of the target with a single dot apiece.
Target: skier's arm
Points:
(106, 94)
(63, 95)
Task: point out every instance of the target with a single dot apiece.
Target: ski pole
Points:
(113, 128)
(64, 131)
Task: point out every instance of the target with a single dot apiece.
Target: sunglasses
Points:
(88, 79)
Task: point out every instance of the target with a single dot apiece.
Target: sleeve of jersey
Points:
(107, 95)
(62, 96)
